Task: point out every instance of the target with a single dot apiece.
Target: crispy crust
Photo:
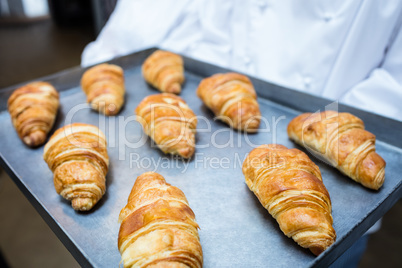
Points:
(168, 120)
(77, 156)
(158, 227)
(33, 109)
(104, 86)
(289, 185)
(164, 70)
(341, 139)
(232, 98)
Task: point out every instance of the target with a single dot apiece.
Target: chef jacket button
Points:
(328, 17)
(261, 3)
(307, 81)
(247, 60)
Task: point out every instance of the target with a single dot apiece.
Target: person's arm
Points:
(381, 92)
(133, 25)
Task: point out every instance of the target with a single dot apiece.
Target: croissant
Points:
(164, 71)
(33, 109)
(340, 138)
(77, 156)
(289, 185)
(168, 120)
(232, 98)
(158, 227)
(104, 86)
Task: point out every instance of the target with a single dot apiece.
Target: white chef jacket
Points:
(349, 51)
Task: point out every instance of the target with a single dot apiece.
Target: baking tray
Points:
(236, 231)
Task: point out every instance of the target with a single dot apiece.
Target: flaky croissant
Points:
(340, 138)
(33, 109)
(164, 70)
(289, 185)
(232, 98)
(104, 86)
(158, 227)
(168, 120)
(78, 158)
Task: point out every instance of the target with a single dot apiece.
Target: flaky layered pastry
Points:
(233, 100)
(78, 158)
(104, 86)
(158, 227)
(168, 120)
(164, 70)
(289, 185)
(340, 138)
(33, 109)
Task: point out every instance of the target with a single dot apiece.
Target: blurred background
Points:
(40, 37)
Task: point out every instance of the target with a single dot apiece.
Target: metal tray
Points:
(236, 231)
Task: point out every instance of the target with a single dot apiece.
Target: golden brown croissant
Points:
(164, 70)
(341, 139)
(77, 156)
(168, 120)
(289, 185)
(104, 86)
(33, 109)
(232, 98)
(158, 227)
